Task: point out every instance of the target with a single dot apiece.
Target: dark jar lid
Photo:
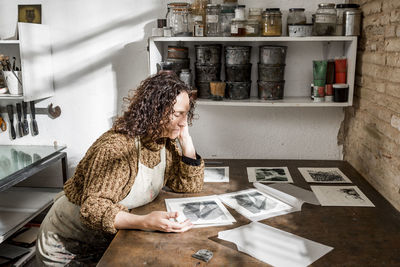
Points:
(272, 9)
(347, 6)
(297, 9)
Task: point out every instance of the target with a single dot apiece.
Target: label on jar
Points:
(212, 18)
(198, 30)
(250, 29)
(325, 19)
(234, 29)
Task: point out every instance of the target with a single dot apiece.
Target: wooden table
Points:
(361, 236)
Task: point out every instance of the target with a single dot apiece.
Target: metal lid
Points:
(272, 9)
(185, 70)
(347, 6)
(340, 85)
(326, 5)
(178, 4)
(352, 12)
(296, 9)
(241, 6)
(238, 47)
(227, 9)
(213, 5)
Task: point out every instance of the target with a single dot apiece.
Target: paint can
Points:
(268, 90)
(340, 92)
(340, 70)
(272, 54)
(208, 54)
(238, 73)
(318, 93)
(238, 90)
(203, 89)
(217, 90)
(272, 73)
(207, 72)
(178, 52)
(329, 93)
(235, 55)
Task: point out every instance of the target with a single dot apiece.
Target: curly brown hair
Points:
(151, 106)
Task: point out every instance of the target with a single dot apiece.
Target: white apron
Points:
(148, 182)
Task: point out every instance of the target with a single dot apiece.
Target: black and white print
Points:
(216, 174)
(254, 204)
(201, 211)
(269, 175)
(324, 175)
(341, 196)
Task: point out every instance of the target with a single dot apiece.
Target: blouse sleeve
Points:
(106, 178)
(183, 174)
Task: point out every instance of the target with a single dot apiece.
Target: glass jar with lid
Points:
(212, 20)
(198, 26)
(252, 27)
(240, 12)
(227, 14)
(255, 13)
(296, 16)
(238, 28)
(170, 8)
(180, 20)
(340, 9)
(272, 22)
(325, 19)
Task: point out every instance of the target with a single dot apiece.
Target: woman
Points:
(123, 169)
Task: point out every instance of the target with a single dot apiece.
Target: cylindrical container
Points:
(273, 54)
(340, 70)
(161, 23)
(329, 93)
(167, 31)
(271, 73)
(352, 22)
(238, 90)
(217, 90)
(208, 54)
(203, 89)
(300, 30)
(272, 22)
(180, 20)
(176, 64)
(340, 9)
(198, 26)
(325, 19)
(319, 72)
(177, 52)
(318, 93)
(270, 90)
(238, 73)
(240, 12)
(227, 14)
(207, 72)
(186, 77)
(296, 16)
(237, 55)
(340, 92)
(238, 28)
(212, 20)
(330, 72)
(252, 27)
(255, 13)
(13, 83)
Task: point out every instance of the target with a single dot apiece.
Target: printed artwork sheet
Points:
(274, 246)
(341, 196)
(201, 211)
(269, 175)
(324, 175)
(216, 174)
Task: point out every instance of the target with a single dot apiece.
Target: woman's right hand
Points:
(159, 220)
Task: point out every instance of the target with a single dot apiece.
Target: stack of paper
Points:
(273, 246)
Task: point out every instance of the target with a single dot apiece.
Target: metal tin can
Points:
(186, 77)
(351, 22)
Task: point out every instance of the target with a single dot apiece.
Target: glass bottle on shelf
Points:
(252, 27)
(212, 20)
(198, 26)
(296, 16)
(227, 14)
(272, 22)
(238, 27)
(325, 20)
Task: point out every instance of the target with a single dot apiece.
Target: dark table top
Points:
(361, 236)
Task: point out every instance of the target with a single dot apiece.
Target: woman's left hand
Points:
(186, 143)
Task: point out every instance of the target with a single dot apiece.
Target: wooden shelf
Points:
(286, 102)
(256, 39)
(19, 205)
(9, 42)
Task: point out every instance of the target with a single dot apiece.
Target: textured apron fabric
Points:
(64, 241)
(148, 182)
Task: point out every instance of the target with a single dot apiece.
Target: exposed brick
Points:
(393, 89)
(395, 16)
(390, 31)
(374, 84)
(393, 59)
(392, 45)
(389, 5)
(372, 7)
(378, 58)
(398, 31)
(395, 122)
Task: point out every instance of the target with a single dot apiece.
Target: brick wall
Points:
(370, 132)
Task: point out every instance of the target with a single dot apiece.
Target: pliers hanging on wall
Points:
(3, 124)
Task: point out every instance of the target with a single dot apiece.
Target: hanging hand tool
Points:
(19, 115)
(3, 124)
(10, 111)
(35, 130)
(25, 125)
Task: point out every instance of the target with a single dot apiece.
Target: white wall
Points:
(99, 53)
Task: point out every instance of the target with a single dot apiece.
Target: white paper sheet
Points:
(254, 204)
(201, 211)
(269, 175)
(297, 192)
(324, 175)
(349, 195)
(216, 174)
(273, 246)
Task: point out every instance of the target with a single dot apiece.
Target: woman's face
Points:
(178, 119)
